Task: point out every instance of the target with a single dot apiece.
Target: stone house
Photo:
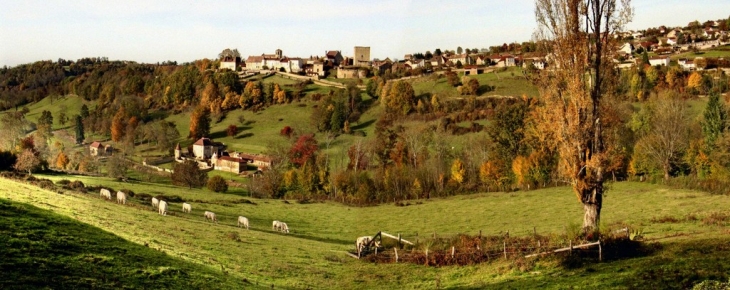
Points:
(204, 148)
(229, 164)
(98, 149)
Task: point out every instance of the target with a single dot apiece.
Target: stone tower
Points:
(279, 53)
(362, 56)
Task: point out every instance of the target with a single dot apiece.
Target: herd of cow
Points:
(161, 207)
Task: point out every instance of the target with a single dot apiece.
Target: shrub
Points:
(76, 184)
(63, 182)
(45, 184)
(217, 184)
(232, 130)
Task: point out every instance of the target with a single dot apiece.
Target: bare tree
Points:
(668, 133)
(580, 35)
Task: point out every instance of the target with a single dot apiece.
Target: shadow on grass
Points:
(41, 249)
(363, 125)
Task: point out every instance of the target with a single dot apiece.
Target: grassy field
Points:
(42, 249)
(507, 82)
(312, 255)
(722, 51)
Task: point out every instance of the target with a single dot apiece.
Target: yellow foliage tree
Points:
(521, 169)
(694, 81)
(490, 173)
(458, 172)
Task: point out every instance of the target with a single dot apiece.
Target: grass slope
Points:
(311, 256)
(43, 249)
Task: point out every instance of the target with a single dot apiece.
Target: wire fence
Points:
(463, 249)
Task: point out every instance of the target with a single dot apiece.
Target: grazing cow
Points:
(105, 193)
(283, 227)
(163, 208)
(275, 225)
(363, 241)
(155, 202)
(242, 221)
(121, 197)
(210, 216)
(187, 207)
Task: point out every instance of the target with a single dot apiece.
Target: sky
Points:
(158, 30)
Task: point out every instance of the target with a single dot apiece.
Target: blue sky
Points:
(181, 30)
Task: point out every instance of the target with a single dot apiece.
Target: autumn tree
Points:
(61, 160)
(27, 161)
(303, 150)
(667, 137)
(116, 167)
(118, 128)
(580, 33)
(188, 174)
(398, 97)
(231, 130)
(199, 123)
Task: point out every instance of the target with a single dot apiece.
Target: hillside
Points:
(312, 255)
(43, 249)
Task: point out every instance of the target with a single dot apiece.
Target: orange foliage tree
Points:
(583, 74)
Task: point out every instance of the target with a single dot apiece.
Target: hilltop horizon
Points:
(156, 32)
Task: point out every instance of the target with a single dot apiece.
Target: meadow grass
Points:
(312, 255)
(42, 249)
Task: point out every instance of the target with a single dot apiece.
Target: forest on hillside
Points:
(652, 130)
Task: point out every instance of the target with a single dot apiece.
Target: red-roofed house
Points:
(230, 164)
(259, 161)
(98, 149)
(334, 57)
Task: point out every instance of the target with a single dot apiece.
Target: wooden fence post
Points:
(453, 249)
(396, 254)
(399, 239)
(480, 234)
(571, 247)
(600, 254)
(504, 246)
(534, 231)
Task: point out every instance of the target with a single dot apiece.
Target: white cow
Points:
(163, 208)
(243, 221)
(187, 207)
(105, 193)
(155, 202)
(121, 197)
(283, 227)
(364, 241)
(275, 225)
(210, 216)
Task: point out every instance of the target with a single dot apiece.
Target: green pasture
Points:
(312, 255)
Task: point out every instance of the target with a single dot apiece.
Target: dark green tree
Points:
(645, 58)
(715, 121)
(79, 130)
(84, 111)
(45, 122)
